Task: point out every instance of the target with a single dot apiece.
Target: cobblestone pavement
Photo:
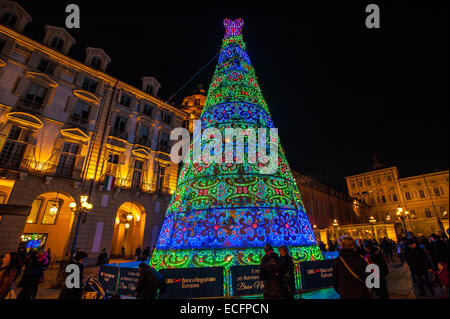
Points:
(400, 285)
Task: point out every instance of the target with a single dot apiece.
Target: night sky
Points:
(337, 91)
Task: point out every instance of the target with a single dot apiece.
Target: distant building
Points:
(422, 201)
(69, 129)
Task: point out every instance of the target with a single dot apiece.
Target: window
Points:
(389, 178)
(378, 179)
(383, 199)
(9, 19)
(81, 110)
(51, 212)
(421, 193)
(442, 209)
(167, 118)
(35, 94)
(197, 102)
(408, 195)
(57, 43)
(137, 173)
(47, 66)
(125, 100)
(34, 212)
(89, 85)
(67, 160)
(164, 142)
(427, 212)
(368, 182)
(113, 158)
(148, 89)
(96, 62)
(160, 179)
(437, 192)
(143, 135)
(359, 183)
(352, 184)
(412, 213)
(394, 197)
(119, 127)
(147, 110)
(13, 150)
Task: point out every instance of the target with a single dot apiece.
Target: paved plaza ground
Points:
(400, 285)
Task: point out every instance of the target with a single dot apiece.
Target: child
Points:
(443, 277)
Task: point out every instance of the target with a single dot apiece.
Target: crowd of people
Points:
(29, 266)
(427, 259)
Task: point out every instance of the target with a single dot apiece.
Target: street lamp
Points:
(402, 215)
(80, 213)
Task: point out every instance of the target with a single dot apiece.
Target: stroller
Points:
(93, 289)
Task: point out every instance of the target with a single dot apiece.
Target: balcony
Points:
(143, 141)
(118, 133)
(128, 183)
(34, 167)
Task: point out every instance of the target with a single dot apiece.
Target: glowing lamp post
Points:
(402, 215)
(80, 212)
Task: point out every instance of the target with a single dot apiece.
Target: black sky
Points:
(337, 91)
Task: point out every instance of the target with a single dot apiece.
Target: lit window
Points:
(34, 212)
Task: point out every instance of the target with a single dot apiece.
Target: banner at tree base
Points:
(245, 281)
(317, 274)
(128, 278)
(108, 278)
(205, 282)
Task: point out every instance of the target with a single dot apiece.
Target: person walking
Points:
(401, 251)
(43, 263)
(443, 275)
(288, 270)
(349, 272)
(271, 272)
(148, 284)
(146, 253)
(30, 277)
(9, 272)
(418, 263)
(137, 253)
(77, 291)
(375, 256)
(102, 258)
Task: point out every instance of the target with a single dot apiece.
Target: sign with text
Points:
(245, 281)
(317, 274)
(205, 282)
(128, 278)
(108, 278)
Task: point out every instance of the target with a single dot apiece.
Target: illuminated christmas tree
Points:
(223, 214)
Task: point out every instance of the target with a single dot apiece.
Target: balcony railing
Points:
(118, 133)
(143, 141)
(34, 167)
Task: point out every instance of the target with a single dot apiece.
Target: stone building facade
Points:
(69, 129)
(418, 203)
